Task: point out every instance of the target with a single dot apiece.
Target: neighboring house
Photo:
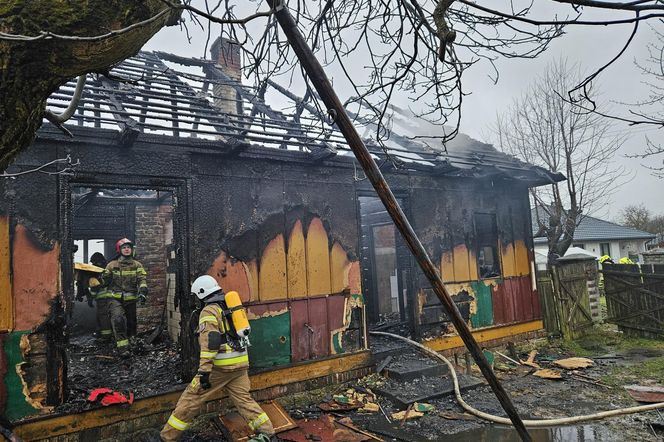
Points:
(601, 237)
(656, 243)
(208, 178)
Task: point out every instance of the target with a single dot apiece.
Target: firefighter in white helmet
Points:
(223, 365)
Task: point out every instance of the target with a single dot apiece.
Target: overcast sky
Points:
(590, 47)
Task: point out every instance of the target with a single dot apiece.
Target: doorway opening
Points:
(106, 308)
(385, 265)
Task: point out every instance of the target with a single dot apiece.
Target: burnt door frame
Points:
(182, 220)
(404, 263)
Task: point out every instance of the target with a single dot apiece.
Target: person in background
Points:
(124, 282)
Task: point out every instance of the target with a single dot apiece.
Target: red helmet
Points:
(121, 243)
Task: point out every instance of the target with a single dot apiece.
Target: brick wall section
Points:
(153, 234)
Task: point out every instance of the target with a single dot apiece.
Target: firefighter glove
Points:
(142, 295)
(204, 377)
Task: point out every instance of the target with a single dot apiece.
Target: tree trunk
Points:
(32, 70)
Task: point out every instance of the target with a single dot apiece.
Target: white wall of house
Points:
(618, 249)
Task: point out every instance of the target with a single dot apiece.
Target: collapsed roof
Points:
(172, 96)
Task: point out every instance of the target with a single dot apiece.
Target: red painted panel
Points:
(497, 295)
(35, 279)
(529, 297)
(300, 347)
(515, 301)
(320, 336)
(336, 311)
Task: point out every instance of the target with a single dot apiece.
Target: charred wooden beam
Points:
(320, 81)
(322, 152)
(237, 145)
(128, 127)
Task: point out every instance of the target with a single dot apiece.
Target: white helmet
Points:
(204, 286)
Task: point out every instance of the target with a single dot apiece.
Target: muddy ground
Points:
(618, 361)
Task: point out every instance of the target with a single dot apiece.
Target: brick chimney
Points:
(227, 55)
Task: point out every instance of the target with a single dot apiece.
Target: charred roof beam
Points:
(128, 127)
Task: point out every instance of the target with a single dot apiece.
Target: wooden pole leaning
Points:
(338, 113)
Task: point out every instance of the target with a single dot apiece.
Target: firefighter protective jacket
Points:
(122, 279)
(213, 339)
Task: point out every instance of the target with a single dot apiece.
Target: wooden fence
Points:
(564, 296)
(635, 298)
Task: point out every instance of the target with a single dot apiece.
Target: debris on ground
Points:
(92, 364)
(548, 373)
(531, 360)
(234, 426)
(648, 394)
(406, 414)
(574, 363)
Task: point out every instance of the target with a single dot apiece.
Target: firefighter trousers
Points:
(236, 384)
(104, 318)
(119, 319)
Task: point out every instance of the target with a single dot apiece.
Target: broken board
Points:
(240, 431)
(648, 394)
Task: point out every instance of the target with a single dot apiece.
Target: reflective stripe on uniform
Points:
(208, 354)
(207, 318)
(177, 423)
(258, 421)
(122, 343)
(230, 358)
(105, 332)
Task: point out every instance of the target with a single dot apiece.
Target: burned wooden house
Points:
(178, 155)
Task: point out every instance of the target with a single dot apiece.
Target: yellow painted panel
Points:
(339, 268)
(318, 259)
(6, 300)
(272, 281)
(447, 266)
(461, 263)
(483, 335)
(252, 270)
(521, 258)
(297, 263)
(472, 266)
(507, 260)
(354, 278)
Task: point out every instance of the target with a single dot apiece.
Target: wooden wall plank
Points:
(461, 264)
(300, 344)
(339, 268)
(318, 259)
(272, 281)
(6, 297)
(521, 258)
(319, 333)
(296, 263)
(447, 267)
(507, 260)
(232, 274)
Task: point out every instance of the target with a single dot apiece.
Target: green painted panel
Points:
(483, 317)
(270, 341)
(17, 407)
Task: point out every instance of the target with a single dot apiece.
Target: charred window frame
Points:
(486, 232)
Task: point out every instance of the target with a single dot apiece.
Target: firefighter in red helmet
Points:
(125, 283)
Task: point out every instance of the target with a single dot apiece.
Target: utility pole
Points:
(336, 110)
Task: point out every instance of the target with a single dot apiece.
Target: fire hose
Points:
(532, 423)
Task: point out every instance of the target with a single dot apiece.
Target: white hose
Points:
(528, 422)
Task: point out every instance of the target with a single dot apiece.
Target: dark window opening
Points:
(605, 248)
(488, 259)
(579, 245)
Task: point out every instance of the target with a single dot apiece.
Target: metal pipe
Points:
(320, 81)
